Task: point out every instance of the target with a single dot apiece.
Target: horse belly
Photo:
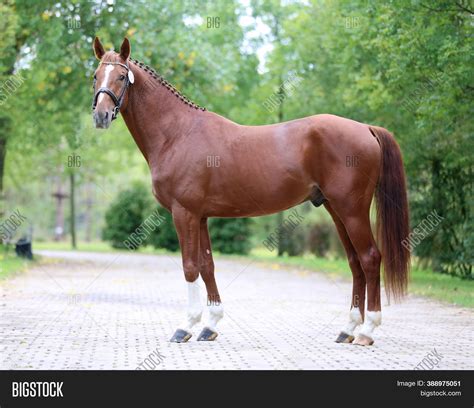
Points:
(257, 197)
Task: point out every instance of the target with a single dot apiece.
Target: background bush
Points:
(293, 242)
(230, 235)
(319, 238)
(165, 235)
(125, 214)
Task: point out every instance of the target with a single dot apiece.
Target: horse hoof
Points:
(344, 338)
(180, 336)
(207, 335)
(363, 340)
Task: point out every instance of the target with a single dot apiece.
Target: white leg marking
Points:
(194, 306)
(355, 318)
(216, 313)
(108, 70)
(372, 320)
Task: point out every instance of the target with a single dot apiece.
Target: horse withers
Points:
(337, 162)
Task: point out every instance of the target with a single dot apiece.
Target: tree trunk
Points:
(73, 209)
(4, 131)
(280, 216)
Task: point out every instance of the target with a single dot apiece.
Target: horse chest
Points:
(162, 192)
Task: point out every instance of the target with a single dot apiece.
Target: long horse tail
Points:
(392, 215)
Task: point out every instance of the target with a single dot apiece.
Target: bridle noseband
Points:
(117, 100)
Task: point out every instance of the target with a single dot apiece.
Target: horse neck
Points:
(155, 116)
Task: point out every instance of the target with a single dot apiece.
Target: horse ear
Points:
(125, 49)
(98, 48)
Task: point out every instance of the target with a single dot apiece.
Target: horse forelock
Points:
(111, 56)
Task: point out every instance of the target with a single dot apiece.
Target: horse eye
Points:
(95, 76)
(121, 77)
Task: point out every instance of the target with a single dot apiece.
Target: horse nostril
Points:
(106, 115)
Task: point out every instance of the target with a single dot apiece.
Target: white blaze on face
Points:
(105, 81)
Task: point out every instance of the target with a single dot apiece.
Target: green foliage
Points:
(164, 236)
(404, 65)
(230, 235)
(319, 238)
(293, 242)
(125, 215)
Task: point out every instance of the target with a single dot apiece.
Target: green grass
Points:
(94, 246)
(423, 282)
(442, 287)
(10, 265)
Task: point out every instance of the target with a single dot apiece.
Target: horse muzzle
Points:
(102, 119)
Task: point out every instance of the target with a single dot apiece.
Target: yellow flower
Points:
(228, 87)
(131, 31)
(181, 55)
(67, 69)
(45, 15)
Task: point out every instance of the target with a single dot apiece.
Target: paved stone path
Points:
(111, 311)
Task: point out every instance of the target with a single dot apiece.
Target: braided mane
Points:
(166, 84)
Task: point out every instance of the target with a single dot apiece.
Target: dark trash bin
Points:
(23, 248)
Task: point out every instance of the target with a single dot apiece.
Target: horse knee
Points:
(206, 269)
(191, 271)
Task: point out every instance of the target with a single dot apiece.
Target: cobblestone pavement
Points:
(111, 311)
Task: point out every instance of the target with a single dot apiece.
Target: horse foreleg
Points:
(188, 230)
(214, 305)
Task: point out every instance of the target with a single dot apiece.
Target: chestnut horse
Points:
(262, 170)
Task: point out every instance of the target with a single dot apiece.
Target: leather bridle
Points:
(117, 100)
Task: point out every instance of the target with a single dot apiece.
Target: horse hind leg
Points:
(357, 225)
(356, 314)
